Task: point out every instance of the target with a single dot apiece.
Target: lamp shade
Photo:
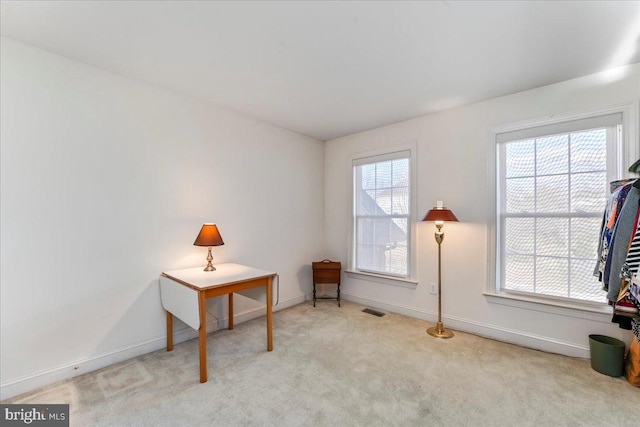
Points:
(440, 214)
(209, 236)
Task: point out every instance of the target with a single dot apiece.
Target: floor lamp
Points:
(439, 214)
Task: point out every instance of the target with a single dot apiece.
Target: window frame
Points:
(627, 152)
(391, 279)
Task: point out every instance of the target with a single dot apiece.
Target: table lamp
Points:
(439, 214)
(209, 236)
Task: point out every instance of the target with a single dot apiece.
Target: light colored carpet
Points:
(340, 367)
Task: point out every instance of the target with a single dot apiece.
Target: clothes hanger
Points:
(635, 168)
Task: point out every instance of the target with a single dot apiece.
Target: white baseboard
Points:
(481, 329)
(82, 366)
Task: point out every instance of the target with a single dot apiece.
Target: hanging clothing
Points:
(618, 262)
(632, 262)
(620, 239)
(634, 290)
(611, 214)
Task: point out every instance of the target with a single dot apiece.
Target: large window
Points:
(381, 214)
(552, 183)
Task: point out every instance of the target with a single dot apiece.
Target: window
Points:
(382, 214)
(551, 187)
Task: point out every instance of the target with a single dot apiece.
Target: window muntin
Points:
(551, 194)
(382, 214)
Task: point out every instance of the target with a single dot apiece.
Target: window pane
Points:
(520, 195)
(365, 230)
(583, 283)
(381, 232)
(368, 180)
(589, 151)
(372, 257)
(588, 192)
(518, 271)
(383, 201)
(383, 245)
(398, 260)
(401, 173)
(552, 236)
(366, 203)
(401, 201)
(552, 155)
(383, 175)
(584, 238)
(398, 230)
(552, 275)
(365, 257)
(519, 235)
(520, 160)
(552, 193)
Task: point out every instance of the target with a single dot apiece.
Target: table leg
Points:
(230, 310)
(169, 331)
(269, 314)
(202, 332)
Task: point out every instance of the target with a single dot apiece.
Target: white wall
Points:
(105, 183)
(452, 165)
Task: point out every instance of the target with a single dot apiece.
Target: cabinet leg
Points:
(314, 294)
(338, 294)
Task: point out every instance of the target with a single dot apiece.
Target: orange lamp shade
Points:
(440, 214)
(209, 236)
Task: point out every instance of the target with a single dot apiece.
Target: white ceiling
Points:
(328, 69)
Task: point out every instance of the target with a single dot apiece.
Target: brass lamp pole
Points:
(439, 214)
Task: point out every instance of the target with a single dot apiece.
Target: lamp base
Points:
(439, 331)
(209, 266)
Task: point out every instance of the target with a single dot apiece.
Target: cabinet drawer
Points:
(326, 276)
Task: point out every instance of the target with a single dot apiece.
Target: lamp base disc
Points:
(443, 333)
(209, 268)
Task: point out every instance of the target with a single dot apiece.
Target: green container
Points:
(607, 355)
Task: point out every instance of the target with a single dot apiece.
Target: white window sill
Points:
(387, 280)
(595, 312)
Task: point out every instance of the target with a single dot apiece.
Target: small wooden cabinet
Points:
(326, 272)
